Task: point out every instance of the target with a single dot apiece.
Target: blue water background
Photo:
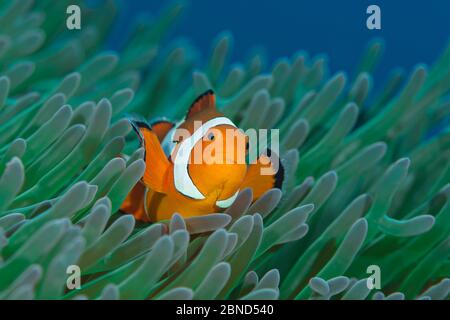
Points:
(413, 31)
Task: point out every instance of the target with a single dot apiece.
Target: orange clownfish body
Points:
(196, 167)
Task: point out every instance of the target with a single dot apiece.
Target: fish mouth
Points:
(219, 162)
(233, 161)
(222, 160)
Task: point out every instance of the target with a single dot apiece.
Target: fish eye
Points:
(178, 141)
(211, 136)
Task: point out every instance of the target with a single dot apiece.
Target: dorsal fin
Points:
(161, 128)
(204, 101)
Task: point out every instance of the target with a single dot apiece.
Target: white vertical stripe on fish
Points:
(182, 180)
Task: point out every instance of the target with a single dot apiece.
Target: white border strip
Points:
(227, 202)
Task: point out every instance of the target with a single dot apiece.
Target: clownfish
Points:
(196, 167)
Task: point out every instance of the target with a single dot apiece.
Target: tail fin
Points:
(157, 164)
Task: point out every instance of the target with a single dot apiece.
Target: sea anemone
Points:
(367, 175)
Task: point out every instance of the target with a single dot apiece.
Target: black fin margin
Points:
(279, 175)
(136, 124)
(207, 92)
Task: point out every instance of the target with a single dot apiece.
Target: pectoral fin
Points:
(265, 174)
